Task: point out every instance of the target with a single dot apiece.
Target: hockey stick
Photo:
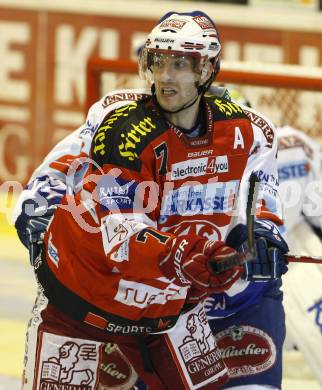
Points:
(250, 217)
(303, 259)
(251, 253)
(240, 258)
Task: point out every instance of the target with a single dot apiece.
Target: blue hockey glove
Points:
(38, 204)
(270, 261)
(33, 235)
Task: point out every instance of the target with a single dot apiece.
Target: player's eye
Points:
(181, 64)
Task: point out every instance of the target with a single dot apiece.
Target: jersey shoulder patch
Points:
(260, 121)
(123, 95)
(225, 109)
(124, 134)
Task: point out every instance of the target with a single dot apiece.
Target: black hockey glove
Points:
(270, 261)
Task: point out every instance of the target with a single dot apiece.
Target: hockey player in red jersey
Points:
(125, 256)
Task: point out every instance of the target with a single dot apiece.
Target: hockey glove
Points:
(195, 295)
(37, 205)
(33, 235)
(190, 260)
(270, 261)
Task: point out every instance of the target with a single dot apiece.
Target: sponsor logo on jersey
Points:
(133, 137)
(52, 251)
(116, 193)
(268, 184)
(121, 254)
(227, 108)
(220, 165)
(142, 295)
(293, 170)
(200, 153)
(189, 168)
(263, 125)
(99, 139)
(127, 329)
(196, 349)
(116, 228)
(265, 177)
(67, 363)
(246, 350)
(119, 97)
(104, 324)
(267, 191)
(115, 369)
(88, 129)
(199, 167)
(200, 199)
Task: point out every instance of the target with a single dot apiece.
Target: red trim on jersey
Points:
(96, 320)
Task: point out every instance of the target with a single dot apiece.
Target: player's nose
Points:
(166, 73)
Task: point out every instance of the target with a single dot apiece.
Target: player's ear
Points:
(206, 72)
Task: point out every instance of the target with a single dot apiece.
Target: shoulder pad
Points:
(225, 109)
(218, 91)
(263, 123)
(124, 95)
(125, 133)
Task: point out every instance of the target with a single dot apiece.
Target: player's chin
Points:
(168, 103)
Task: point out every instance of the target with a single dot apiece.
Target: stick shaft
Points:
(250, 213)
(304, 259)
(228, 263)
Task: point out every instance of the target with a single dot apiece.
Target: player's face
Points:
(175, 80)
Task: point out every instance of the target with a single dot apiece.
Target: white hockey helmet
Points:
(189, 34)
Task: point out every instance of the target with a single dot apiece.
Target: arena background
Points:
(44, 48)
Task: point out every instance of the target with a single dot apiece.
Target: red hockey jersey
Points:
(147, 183)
